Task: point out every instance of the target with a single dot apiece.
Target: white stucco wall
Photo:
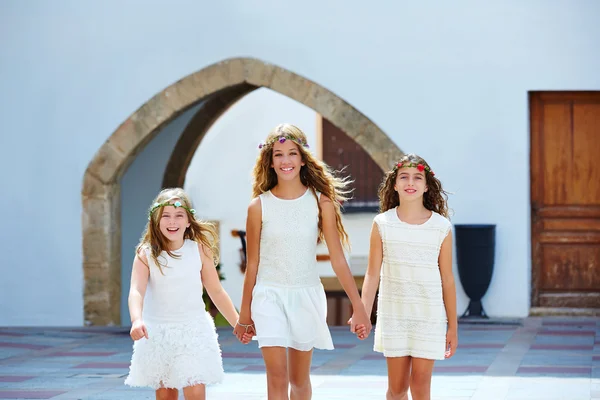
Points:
(448, 81)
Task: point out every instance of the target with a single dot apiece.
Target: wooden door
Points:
(565, 199)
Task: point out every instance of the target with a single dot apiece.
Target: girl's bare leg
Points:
(420, 378)
(167, 394)
(398, 377)
(196, 392)
(299, 373)
(277, 372)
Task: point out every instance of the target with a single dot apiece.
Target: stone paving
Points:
(535, 358)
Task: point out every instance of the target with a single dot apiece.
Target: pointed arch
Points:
(217, 86)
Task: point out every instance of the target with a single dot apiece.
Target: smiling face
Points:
(287, 160)
(410, 184)
(173, 223)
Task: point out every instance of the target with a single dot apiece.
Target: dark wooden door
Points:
(565, 199)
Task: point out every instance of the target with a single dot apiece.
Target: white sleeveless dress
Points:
(182, 348)
(289, 308)
(411, 317)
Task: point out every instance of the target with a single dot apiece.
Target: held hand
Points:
(247, 336)
(359, 330)
(360, 324)
(138, 330)
(451, 342)
(244, 332)
(244, 329)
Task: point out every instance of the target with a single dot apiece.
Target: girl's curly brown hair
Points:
(198, 231)
(315, 174)
(434, 199)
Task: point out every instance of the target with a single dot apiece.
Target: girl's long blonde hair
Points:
(434, 199)
(198, 231)
(314, 174)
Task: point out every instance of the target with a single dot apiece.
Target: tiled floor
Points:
(549, 358)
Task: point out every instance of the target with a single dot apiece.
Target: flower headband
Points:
(419, 166)
(165, 204)
(282, 139)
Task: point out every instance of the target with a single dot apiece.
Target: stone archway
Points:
(218, 86)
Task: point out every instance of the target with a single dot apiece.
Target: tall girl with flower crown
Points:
(296, 203)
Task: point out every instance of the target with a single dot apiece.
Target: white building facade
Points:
(97, 98)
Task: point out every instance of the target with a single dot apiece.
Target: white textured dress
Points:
(289, 308)
(182, 348)
(411, 317)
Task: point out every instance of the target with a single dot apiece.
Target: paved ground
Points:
(538, 358)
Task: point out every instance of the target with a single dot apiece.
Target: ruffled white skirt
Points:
(291, 317)
(177, 355)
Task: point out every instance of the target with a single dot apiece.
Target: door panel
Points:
(565, 199)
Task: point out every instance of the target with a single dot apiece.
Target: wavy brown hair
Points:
(434, 199)
(198, 231)
(314, 174)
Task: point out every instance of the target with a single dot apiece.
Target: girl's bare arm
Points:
(340, 265)
(371, 282)
(212, 283)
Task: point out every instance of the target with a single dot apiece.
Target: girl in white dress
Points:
(296, 203)
(175, 339)
(410, 259)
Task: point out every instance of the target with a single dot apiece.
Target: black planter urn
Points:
(475, 247)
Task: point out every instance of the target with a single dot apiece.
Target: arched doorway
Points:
(214, 88)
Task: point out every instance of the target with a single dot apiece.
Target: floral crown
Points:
(418, 166)
(167, 203)
(282, 139)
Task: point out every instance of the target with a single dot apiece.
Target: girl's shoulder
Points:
(201, 248)
(192, 244)
(441, 221)
(192, 249)
(143, 249)
(388, 216)
(198, 245)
